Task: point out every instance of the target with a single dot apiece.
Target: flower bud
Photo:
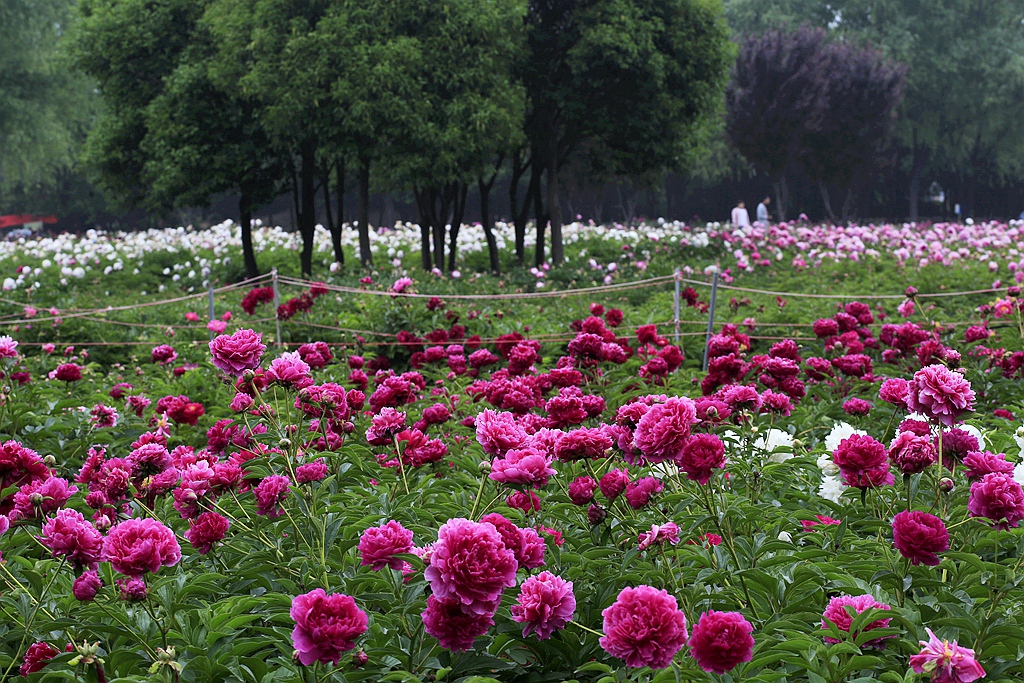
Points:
(359, 659)
(596, 514)
(946, 484)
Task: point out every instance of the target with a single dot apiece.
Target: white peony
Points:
(831, 488)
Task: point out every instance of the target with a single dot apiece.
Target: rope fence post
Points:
(213, 312)
(675, 317)
(711, 318)
(277, 302)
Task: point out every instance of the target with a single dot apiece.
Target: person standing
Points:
(740, 217)
(762, 210)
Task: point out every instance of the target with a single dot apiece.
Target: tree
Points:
(777, 94)
(960, 120)
(633, 78)
(862, 92)
(201, 142)
(44, 107)
(466, 108)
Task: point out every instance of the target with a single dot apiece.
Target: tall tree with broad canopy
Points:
(636, 79)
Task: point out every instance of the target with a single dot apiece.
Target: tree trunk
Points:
(423, 206)
(332, 227)
(461, 189)
(540, 216)
(485, 220)
(307, 204)
(827, 201)
(440, 215)
(365, 256)
(781, 196)
(339, 251)
(847, 205)
(245, 222)
(554, 208)
(519, 214)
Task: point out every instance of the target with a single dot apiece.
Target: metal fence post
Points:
(711, 318)
(212, 310)
(277, 302)
(676, 300)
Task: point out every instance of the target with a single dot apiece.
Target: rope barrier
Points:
(808, 295)
(636, 284)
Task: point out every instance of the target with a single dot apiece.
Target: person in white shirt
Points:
(740, 217)
(762, 210)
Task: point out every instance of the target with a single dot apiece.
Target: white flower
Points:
(772, 442)
(826, 465)
(785, 536)
(839, 432)
(1018, 437)
(976, 433)
(832, 488)
(335, 267)
(1018, 473)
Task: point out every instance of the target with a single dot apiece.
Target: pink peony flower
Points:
(640, 492)
(581, 490)
(614, 483)
(206, 530)
(137, 546)
(523, 467)
(163, 354)
(721, 640)
(946, 662)
(454, 628)
(894, 391)
(644, 627)
(86, 586)
(856, 406)
(311, 471)
(940, 394)
(664, 429)
(862, 462)
(8, 347)
(999, 498)
(659, 535)
(270, 493)
(36, 657)
(546, 604)
(41, 497)
(290, 370)
(217, 326)
(912, 453)
(68, 372)
(837, 614)
(326, 624)
(979, 464)
(919, 536)
(470, 563)
(378, 546)
(701, 456)
(498, 432)
(236, 353)
(67, 534)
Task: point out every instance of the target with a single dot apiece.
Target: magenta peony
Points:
(644, 627)
(837, 614)
(894, 391)
(453, 627)
(522, 467)
(701, 456)
(640, 492)
(137, 546)
(919, 536)
(206, 530)
(664, 429)
(980, 463)
(270, 493)
(238, 352)
(721, 640)
(614, 483)
(470, 563)
(378, 546)
(36, 657)
(290, 370)
(940, 394)
(546, 604)
(581, 490)
(999, 498)
(68, 535)
(862, 462)
(326, 624)
(498, 432)
(659, 535)
(912, 453)
(86, 586)
(945, 661)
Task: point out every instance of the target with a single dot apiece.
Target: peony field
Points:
(773, 454)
